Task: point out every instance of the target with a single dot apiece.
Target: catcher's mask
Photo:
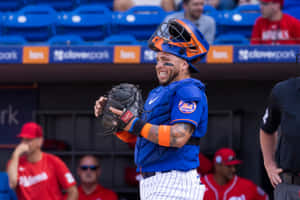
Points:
(181, 38)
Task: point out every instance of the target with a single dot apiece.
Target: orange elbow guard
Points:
(126, 136)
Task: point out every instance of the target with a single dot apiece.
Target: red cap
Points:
(31, 130)
(226, 156)
(275, 1)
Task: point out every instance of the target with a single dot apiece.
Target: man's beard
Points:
(172, 78)
(195, 16)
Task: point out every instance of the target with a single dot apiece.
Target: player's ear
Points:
(41, 142)
(185, 66)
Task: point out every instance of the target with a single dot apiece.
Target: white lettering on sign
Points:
(61, 55)
(9, 116)
(220, 54)
(36, 55)
(127, 54)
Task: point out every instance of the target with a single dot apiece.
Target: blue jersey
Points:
(179, 102)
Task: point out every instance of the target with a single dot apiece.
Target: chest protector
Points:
(157, 111)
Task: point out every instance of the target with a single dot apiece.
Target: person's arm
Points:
(268, 147)
(185, 115)
(64, 178)
(72, 193)
(211, 31)
(256, 36)
(12, 168)
(180, 133)
(268, 135)
(175, 135)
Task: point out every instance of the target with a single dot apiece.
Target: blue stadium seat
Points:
(11, 5)
(210, 11)
(66, 40)
(107, 3)
(34, 23)
(139, 21)
(292, 7)
(239, 20)
(248, 8)
(294, 11)
(232, 39)
(120, 40)
(56, 4)
(90, 22)
(12, 40)
(291, 3)
(5, 192)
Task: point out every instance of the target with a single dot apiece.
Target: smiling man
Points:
(174, 117)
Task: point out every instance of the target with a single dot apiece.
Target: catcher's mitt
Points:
(126, 97)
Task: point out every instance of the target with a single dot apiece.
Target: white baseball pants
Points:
(173, 185)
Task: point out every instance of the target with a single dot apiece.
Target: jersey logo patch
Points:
(187, 107)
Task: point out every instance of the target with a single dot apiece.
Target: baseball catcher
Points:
(174, 116)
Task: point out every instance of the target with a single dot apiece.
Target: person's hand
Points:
(21, 149)
(273, 172)
(99, 105)
(119, 113)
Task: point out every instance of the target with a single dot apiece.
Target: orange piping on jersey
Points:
(185, 120)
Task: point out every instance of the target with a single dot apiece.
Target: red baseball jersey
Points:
(100, 193)
(284, 31)
(44, 179)
(237, 189)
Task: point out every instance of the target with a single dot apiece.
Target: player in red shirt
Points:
(224, 184)
(275, 27)
(89, 172)
(37, 175)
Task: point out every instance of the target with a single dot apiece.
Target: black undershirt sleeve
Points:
(272, 116)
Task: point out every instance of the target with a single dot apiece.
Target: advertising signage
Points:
(266, 54)
(81, 54)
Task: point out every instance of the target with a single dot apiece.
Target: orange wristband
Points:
(164, 135)
(146, 129)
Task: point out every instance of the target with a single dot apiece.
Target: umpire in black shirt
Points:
(283, 167)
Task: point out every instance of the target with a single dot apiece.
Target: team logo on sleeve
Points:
(266, 115)
(69, 177)
(187, 107)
